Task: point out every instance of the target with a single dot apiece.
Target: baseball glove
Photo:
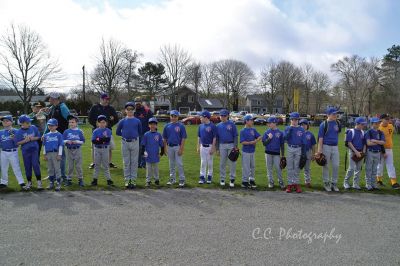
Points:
(357, 159)
(234, 154)
(282, 163)
(303, 160)
(320, 159)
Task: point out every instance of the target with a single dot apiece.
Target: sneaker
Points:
(253, 184)
(298, 188)
(270, 185)
(209, 178)
(181, 183)
(91, 166)
(147, 184)
(51, 186)
(327, 187)
(202, 180)
(308, 185)
(132, 184)
(282, 185)
(39, 185)
(356, 187)
(232, 183)
(23, 186)
(289, 189)
(58, 186)
(222, 183)
(157, 182)
(113, 165)
(94, 182)
(80, 182)
(346, 185)
(127, 184)
(245, 185)
(171, 182)
(335, 188)
(369, 187)
(28, 185)
(110, 182)
(396, 186)
(380, 183)
(69, 182)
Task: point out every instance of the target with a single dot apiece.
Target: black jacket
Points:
(108, 111)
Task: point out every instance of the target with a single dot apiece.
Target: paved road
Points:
(198, 226)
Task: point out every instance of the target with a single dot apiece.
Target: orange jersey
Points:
(388, 132)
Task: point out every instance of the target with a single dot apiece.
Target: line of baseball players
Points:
(222, 139)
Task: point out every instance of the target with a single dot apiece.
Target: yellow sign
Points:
(296, 98)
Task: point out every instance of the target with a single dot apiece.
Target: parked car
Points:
(195, 120)
(260, 121)
(4, 113)
(193, 113)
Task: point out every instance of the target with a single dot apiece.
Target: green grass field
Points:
(192, 165)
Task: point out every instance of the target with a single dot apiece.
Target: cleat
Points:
(270, 185)
(289, 189)
(380, 183)
(39, 185)
(171, 182)
(51, 186)
(282, 185)
(222, 183)
(80, 182)
(396, 186)
(232, 184)
(327, 187)
(369, 187)
(112, 165)
(91, 166)
(202, 180)
(209, 178)
(58, 186)
(68, 182)
(298, 188)
(356, 187)
(245, 185)
(28, 186)
(181, 184)
(253, 184)
(346, 185)
(147, 184)
(157, 182)
(335, 188)
(94, 182)
(110, 182)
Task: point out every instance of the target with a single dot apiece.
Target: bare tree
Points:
(193, 77)
(236, 78)
(175, 60)
(130, 61)
(289, 78)
(209, 80)
(269, 84)
(307, 72)
(320, 83)
(25, 63)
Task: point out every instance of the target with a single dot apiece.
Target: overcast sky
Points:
(254, 31)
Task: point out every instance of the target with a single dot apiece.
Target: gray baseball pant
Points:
(371, 168)
(130, 155)
(273, 161)
(307, 167)
(101, 159)
(293, 169)
(152, 171)
(53, 166)
(332, 158)
(248, 166)
(224, 150)
(354, 169)
(175, 161)
(74, 158)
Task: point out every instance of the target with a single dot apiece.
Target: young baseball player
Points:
(207, 134)
(101, 138)
(174, 136)
(227, 139)
(73, 140)
(9, 153)
(375, 140)
(295, 138)
(356, 144)
(388, 130)
(53, 145)
(328, 137)
(310, 150)
(152, 142)
(27, 136)
(248, 138)
(273, 140)
(130, 129)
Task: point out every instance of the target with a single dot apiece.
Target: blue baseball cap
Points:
(7, 117)
(206, 113)
(23, 119)
(174, 112)
(272, 119)
(361, 120)
(153, 120)
(52, 122)
(101, 118)
(375, 120)
(248, 117)
(104, 96)
(331, 110)
(130, 104)
(224, 112)
(303, 121)
(294, 115)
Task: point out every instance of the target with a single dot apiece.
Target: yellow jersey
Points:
(388, 132)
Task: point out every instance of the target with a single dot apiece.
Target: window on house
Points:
(183, 99)
(191, 99)
(258, 102)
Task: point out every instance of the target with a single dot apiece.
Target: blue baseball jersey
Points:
(295, 135)
(374, 134)
(226, 132)
(99, 133)
(277, 140)
(75, 135)
(7, 139)
(152, 141)
(52, 142)
(332, 134)
(22, 133)
(174, 133)
(310, 140)
(129, 128)
(248, 134)
(206, 133)
(356, 138)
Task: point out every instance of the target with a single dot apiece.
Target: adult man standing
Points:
(103, 108)
(143, 113)
(38, 119)
(58, 110)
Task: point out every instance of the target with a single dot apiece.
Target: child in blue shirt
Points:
(310, 150)
(27, 136)
(249, 138)
(152, 142)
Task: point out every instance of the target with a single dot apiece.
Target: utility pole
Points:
(83, 84)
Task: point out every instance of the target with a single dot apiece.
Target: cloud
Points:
(254, 31)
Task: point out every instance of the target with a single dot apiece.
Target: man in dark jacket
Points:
(104, 108)
(143, 113)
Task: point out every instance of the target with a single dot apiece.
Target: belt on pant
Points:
(374, 151)
(206, 145)
(332, 145)
(228, 142)
(73, 148)
(129, 140)
(51, 151)
(172, 145)
(101, 146)
(294, 146)
(9, 150)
